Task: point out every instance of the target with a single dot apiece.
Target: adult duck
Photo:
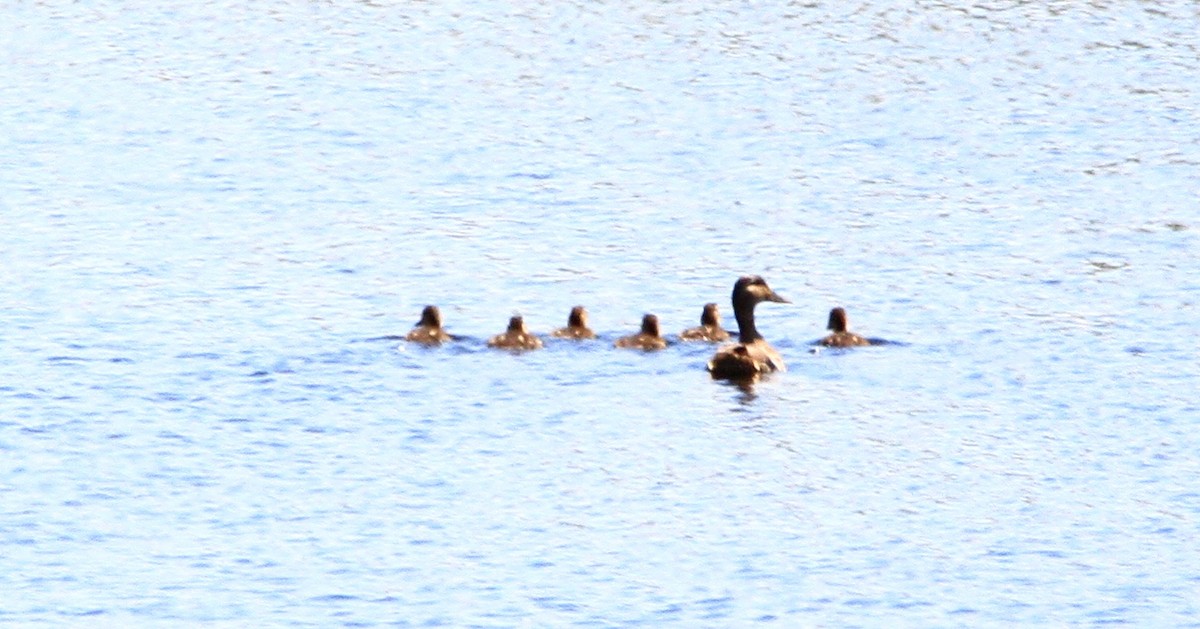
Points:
(709, 329)
(577, 326)
(751, 355)
(428, 330)
(648, 338)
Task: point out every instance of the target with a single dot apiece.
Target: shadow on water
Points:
(872, 342)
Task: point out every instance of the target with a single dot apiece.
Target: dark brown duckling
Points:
(515, 337)
(841, 337)
(577, 327)
(751, 355)
(648, 338)
(429, 329)
(710, 327)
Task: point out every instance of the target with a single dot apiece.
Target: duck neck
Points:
(745, 320)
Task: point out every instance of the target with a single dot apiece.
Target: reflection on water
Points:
(745, 389)
(219, 222)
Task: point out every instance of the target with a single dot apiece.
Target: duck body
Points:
(844, 339)
(751, 356)
(648, 338)
(577, 327)
(516, 337)
(709, 329)
(840, 336)
(742, 361)
(428, 330)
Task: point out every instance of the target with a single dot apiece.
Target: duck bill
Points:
(774, 296)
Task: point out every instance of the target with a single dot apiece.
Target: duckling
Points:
(751, 355)
(841, 337)
(577, 327)
(710, 327)
(428, 330)
(648, 339)
(515, 337)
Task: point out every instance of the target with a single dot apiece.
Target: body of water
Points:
(215, 219)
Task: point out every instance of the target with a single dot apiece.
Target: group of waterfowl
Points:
(749, 357)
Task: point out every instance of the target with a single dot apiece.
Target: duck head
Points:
(837, 319)
(748, 292)
(753, 289)
(650, 325)
(577, 318)
(431, 317)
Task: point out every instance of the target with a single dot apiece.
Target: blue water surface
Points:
(217, 218)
